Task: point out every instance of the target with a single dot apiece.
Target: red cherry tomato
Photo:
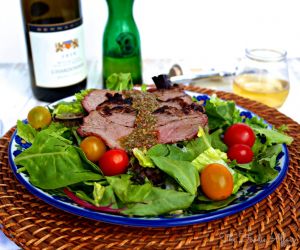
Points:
(114, 162)
(241, 153)
(239, 133)
(216, 182)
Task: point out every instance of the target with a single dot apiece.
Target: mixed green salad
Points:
(189, 177)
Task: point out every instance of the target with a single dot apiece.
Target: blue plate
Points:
(247, 196)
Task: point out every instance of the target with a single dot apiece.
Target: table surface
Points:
(16, 98)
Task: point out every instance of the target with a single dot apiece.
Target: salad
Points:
(187, 177)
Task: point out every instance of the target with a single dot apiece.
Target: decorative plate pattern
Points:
(247, 196)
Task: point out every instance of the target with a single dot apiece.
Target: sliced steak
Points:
(113, 116)
(180, 130)
(168, 94)
(110, 132)
(169, 114)
(95, 98)
(122, 115)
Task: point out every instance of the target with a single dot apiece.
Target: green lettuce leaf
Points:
(183, 172)
(204, 204)
(221, 113)
(273, 136)
(216, 141)
(52, 163)
(238, 180)
(158, 150)
(160, 201)
(65, 109)
(209, 156)
(126, 191)
(98, 193)
(261, 170)
(119, 81)
(26, 131)
(144, 159)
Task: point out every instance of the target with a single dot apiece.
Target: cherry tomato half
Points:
(39, 117)
(241, 153)
(239, 133)
(216, 182)
(114, 162)
(93, 148)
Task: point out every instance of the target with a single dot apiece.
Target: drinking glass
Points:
(263, 76)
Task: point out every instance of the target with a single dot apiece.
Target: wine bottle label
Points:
(58, 54)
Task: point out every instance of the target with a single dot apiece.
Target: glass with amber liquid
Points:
(263, 76)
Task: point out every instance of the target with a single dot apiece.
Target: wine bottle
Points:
(55, 47)
(121, 42)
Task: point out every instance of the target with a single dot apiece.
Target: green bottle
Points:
(121, 42)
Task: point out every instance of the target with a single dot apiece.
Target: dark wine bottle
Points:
(55, 47)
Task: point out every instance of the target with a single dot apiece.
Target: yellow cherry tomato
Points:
(216, 182)
(39, 117)
(93, 147)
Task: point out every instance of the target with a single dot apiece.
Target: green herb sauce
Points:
(144, 134)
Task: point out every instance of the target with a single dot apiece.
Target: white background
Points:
(202, 31)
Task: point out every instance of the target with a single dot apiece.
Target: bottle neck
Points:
(120, 8)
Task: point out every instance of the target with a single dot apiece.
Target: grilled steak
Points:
(112, 116)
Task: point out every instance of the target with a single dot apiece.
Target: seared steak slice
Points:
(180, 130)
(113, 117)
(110, 132)
(169, 94)
(122, 115)
(95, 98)
(169, 114)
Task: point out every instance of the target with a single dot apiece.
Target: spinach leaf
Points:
(183, 172)
(181, 154)
(160, 201)
(216, 141)
(52, 163)
(158, 150)
(196, 147)
(207, 205)
(126, 191)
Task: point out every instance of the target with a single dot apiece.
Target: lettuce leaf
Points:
(206, 205)
(221, 113)
(144, 159)
(273, 136)
(183, 172)
(209, 156)
(65, 109)
(119, 81)
(52, 162)
(238, 180)
(98, 193)
(126, 191)
(160, 201)
(26, 131)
